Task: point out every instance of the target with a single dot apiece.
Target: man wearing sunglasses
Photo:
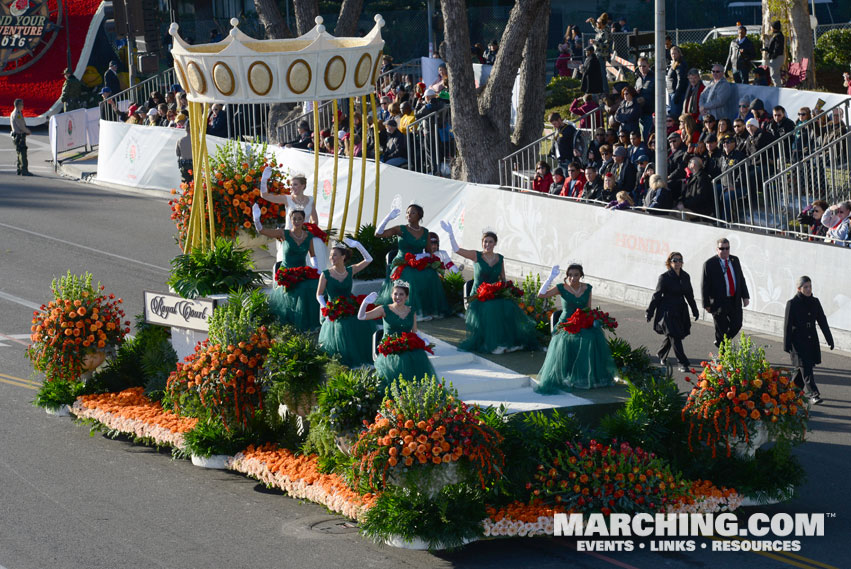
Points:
(742, 52)
(724, 291)
(715, 97)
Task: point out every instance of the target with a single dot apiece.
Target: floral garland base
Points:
(132, 413)
(299, 476)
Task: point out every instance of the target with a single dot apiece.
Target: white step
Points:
(525, 399)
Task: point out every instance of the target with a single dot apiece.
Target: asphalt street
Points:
(68, 500)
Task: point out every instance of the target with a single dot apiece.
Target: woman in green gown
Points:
(398, 318)
(346, 336)
(581, 360)
(428, 299)
(295, 305)
(497, 325)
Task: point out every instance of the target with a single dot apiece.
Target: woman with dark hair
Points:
(602, 44)
(400, 322)
(496, 325)
(543, 178)
(800, 339)
(427, 296)
(582, 360)
(345, 336)
(811, 217)
(295, 304)
(629, 111)
(673, 293)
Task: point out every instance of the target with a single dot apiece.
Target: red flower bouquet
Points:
(490, 291)
(314, 230)
(344, 307)
(404, 342)
(410, 260)
(291, 277)
(584, 318)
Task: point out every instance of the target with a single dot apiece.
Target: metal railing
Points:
(795, 169)
(288, 131)
(431, 144)
(112, 107)
(517, 170)
(410, 67)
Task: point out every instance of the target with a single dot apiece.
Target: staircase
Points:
(487, 384)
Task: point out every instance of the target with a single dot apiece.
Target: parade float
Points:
(408, 459)
(38, 40)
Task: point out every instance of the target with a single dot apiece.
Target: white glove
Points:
(255, 213)
(448, 229)
(311, 262)
(370, 298)
(361, 249)
(320, 298)
(394, 213)
(447, 262)
(546, 286)
(422, 255)
(264, 180)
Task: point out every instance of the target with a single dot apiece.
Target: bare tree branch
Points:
(347, 23)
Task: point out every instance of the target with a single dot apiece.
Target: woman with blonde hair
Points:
(688, 129)
(602, 43)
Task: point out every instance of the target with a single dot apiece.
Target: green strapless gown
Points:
(497, 323)
(296, 305)
(427, 296)
(348, 337)
(411, 364)
(581, 360)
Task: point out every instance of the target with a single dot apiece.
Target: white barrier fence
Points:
(622, 252)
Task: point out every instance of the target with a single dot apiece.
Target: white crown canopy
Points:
(241, 69)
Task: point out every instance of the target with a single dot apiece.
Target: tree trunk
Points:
(347, 23)
(305, 15)
(273, 23)
(802, 44)
(533, 77)
(482, 125)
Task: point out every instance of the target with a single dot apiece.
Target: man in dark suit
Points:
(110, 78)
(724, 291)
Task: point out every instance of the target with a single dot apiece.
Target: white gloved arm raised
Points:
(255, 213)
(546, 286)
(370, 298)
(264, 181)
(361, 249)
(448, 229)
(394, 213)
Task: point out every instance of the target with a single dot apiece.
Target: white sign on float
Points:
(166, 309)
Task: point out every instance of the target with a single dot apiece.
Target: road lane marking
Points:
(16, 338)
(15, 378)
(63, 241)
(19, 300)
(18, 384)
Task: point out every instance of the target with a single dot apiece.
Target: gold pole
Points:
(362, 158)
(206, 155)
(196, 234)
(377, 156)
(316, 143)
(336, 157)
(351, 147)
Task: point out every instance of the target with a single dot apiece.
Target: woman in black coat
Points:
(592, 78)
(673, 291)
(800, 339)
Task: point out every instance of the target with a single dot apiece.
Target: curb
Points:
(91, 178)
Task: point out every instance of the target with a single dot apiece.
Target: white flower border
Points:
(134, 427)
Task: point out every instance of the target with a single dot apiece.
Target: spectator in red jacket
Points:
(583, 106)
(543, 179)
(575, 182)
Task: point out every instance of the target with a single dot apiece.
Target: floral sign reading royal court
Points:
(166, 309)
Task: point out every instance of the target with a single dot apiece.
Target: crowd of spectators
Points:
(703, 142)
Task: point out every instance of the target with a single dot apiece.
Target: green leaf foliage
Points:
(349, 398)
(239, 319)
(445, 521)
(295, 367)
(702, 56)
(833, 50)
(562, 91)
(453, 286)
(219, 270)
(420, 399)
(59, 392)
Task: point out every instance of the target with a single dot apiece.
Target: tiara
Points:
(414, 203)
(488, 229)
(338, 245)
(574, 262)
(297, 207)
(401, 283)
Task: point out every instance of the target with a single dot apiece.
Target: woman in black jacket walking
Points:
(800, 339)
(673, 291)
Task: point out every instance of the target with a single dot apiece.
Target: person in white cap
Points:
(153, 117)
(758, 138)
(431, 104)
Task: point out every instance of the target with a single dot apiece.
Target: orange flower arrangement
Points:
(79, 321)
(225, 378)
(236, 187)
(131, 412)
(737, 392)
